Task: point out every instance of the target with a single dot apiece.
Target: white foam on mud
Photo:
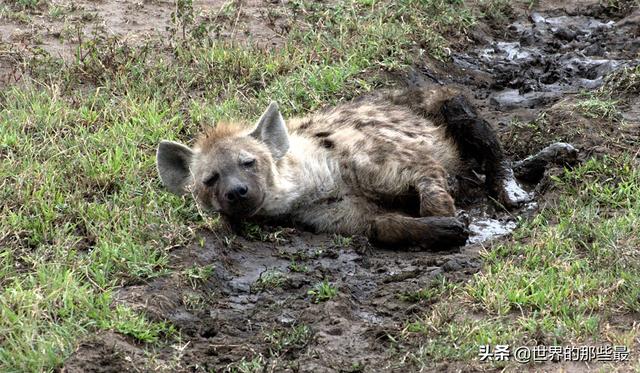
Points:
(515, 191)
(486, 229)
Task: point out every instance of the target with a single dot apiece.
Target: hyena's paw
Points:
(444, 232)
(509, 193)
(436, 203)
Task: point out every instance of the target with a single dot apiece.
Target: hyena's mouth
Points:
(244, 210)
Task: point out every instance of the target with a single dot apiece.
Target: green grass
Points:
(322, 292)
(623, 81)
(198, 274)
(26, 4)
(295, 266)
(595, 107)
(82, 213)
(565, 277)
(496, 10)
(255, 232)
(341, 241)
(271, 279)
(437, 289)
(255, 365)
(282, 341)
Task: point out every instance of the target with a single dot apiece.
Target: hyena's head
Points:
(228, 170)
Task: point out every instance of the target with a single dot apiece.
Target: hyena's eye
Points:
(248, 163)
(211, 179)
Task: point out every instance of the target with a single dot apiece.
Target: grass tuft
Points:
(322, 292)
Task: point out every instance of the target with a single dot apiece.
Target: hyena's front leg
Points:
(356, 215)
(431, 233)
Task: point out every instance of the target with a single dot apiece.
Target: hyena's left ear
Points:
(272, 130)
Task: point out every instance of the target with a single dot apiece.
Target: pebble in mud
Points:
(286, 319)
(456, 264)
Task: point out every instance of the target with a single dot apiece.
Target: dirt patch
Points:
(57, 28)
(108, 352)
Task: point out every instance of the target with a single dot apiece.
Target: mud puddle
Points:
(544, 56)
(257, 301)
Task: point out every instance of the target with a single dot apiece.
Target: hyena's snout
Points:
(240, 198)
(237, 193)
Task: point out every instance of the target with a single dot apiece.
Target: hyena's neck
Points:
(307, 174)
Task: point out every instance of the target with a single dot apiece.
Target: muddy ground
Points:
(253, 293)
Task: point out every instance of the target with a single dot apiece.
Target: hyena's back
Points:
(381, 141)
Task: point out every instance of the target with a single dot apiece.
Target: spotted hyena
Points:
(351, 169)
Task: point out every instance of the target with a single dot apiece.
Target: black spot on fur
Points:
(306, 124)
(333, 200)
(379, 158)
(360, 124)
(323, 134)
(347, 114)
(326, 143)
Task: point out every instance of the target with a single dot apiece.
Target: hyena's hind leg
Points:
(475, 138)
(478, 141)
(430, 233)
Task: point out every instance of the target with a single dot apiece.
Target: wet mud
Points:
(259, 301)
(545, 55)
(260, 288)
(534, 68)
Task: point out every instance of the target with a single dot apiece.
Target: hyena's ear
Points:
(173, 161)
(272, 130)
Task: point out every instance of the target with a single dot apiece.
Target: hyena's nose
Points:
(237, 193)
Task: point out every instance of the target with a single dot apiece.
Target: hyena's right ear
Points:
(272, 131)
(173, 160)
